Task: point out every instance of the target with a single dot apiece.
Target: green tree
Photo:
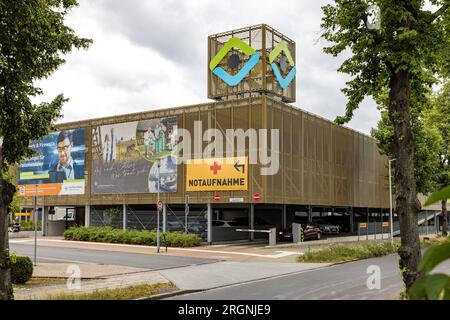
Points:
(33, 39)
(439, 118)
(402, 57)
(427, 142)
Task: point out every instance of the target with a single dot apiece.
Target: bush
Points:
(144, 237)
(29, 226)
(348, 252)
(21, 269)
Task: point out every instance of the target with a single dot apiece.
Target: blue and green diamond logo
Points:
(283, 61)
(234, 61)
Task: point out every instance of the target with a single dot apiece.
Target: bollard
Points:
(273, 237)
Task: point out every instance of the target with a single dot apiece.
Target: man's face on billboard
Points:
(64, 149)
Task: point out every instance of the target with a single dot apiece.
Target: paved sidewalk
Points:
(228, 273)
(87, 270)
(105, 277)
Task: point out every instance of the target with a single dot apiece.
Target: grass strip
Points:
(342, 252)
(127, 293)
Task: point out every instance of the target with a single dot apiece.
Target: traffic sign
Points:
(217, 174)
(363, 225)
(217, 197)
(256, 197)
(385, 224)
(160, 206)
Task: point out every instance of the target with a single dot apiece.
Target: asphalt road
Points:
(148, 261)
(343, 281)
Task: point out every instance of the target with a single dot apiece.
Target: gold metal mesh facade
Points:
(320, 163)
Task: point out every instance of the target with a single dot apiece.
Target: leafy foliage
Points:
(433, 286)
(33, 37)
(431, 126)
(349, 252)
(21, 269)
(396, 64)
(410, 38)
(439, 119)
(443, 194)
(144, 237)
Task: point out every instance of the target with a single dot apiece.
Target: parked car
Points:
(326, 227)
(309, 232)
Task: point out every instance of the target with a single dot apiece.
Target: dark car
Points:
(309, 232)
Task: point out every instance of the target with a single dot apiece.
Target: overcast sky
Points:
(152, 54)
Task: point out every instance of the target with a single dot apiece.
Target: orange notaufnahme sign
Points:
(225, 174)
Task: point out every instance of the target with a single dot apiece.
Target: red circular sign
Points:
(256, 197)
(217, 197)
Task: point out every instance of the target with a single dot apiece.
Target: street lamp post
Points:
(35, 218)
(391, 222)
(157, 209)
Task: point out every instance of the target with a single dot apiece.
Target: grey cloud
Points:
(178, 30)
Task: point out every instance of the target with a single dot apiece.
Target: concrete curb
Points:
(170, 294)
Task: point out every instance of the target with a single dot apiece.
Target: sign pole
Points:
(390, 204)
(157, 211)
(35, 224)
(186, 213)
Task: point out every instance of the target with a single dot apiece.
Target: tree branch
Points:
(439, 12)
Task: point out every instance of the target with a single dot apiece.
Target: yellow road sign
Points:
(385, 224)
(217, 174)
(363, 225)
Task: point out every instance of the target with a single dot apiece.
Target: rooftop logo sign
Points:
(277, 52)
(234, 61)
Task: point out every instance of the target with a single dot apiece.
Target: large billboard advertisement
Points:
(57, 167)
(125, 156)
(225, 174)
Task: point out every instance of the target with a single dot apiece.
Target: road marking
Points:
(20, 241)
(280, 254)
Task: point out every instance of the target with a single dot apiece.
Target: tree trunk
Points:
(407, 203)
(7, 191)
(445, 218)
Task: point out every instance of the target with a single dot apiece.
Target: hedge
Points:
(142, 237)
(29, 226)
(349, 251)
(21, 269)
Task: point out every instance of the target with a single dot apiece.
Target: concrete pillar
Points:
(436, 229)
(368, 225)
(209, 222)
(351, 220)
(284, 216)
(87, 217)
(124, 217)
(44, 221)
(252, 220)
(381, 223)
(164, 218)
